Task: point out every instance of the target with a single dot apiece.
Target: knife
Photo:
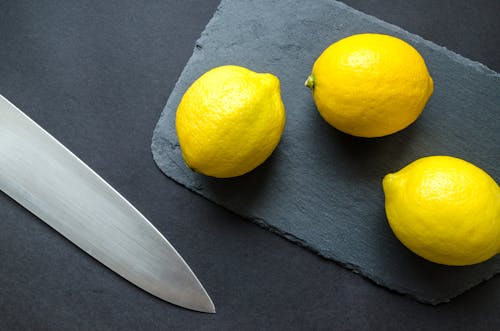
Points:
(46, 178)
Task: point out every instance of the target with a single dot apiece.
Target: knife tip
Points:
(207, 305)
(202, 305)
(210, 308)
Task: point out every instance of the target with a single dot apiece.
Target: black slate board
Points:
(321, 188)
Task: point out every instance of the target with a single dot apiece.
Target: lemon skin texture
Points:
(444, 209)
(370, 85)
(229, 121)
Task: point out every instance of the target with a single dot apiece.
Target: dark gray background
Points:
(97, 75)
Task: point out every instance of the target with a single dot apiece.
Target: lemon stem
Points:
(310, 82)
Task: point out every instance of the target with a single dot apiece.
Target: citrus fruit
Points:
(229, 121)
(370, 85)
(444, 209)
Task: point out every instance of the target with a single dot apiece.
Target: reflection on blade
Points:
(46, 178)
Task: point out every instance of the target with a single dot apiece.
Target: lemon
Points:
(229, 121)
(370, 85)
(444, 209)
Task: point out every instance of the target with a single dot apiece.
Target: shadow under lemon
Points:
(243, 192)
(360, 165)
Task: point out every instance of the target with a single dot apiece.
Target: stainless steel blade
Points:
(46, 178)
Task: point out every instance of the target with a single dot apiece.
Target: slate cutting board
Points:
(321, 188)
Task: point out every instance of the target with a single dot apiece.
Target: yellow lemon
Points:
(370, 85)
(444, 209)
(229, 121)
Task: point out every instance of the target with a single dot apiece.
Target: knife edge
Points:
(46, 178)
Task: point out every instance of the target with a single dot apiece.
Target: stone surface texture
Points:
(321, 188)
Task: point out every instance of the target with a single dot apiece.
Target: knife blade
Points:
(46, 178)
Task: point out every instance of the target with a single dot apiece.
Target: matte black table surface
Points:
(96, 74)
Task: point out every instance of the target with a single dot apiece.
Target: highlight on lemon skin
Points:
(444, 209)
(229, 121)
(370, 85)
